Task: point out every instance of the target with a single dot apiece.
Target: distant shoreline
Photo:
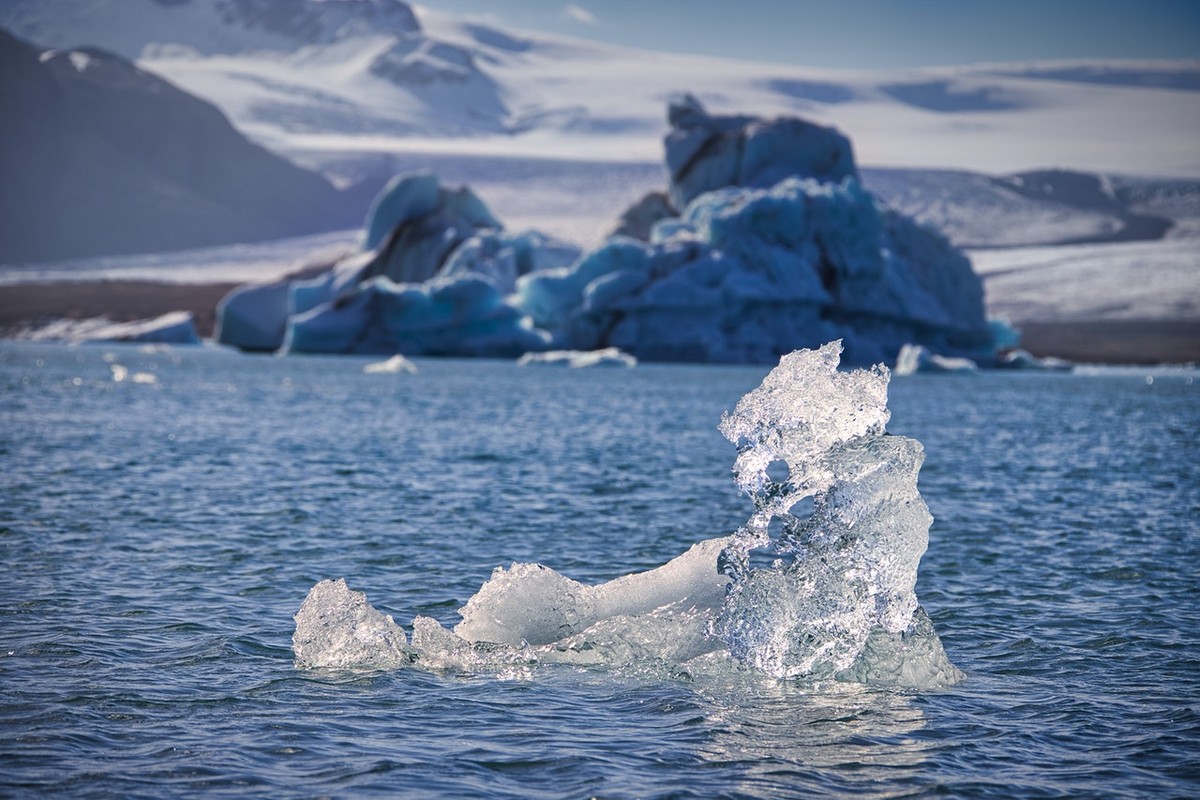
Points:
(28, 305)
(1120, 341)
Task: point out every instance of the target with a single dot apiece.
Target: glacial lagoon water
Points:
(165, 513)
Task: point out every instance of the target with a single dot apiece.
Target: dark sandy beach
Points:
(29, 305)
(1115, 341)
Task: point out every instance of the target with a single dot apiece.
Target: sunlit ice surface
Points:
(838, 602)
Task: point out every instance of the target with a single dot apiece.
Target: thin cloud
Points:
(579, 14)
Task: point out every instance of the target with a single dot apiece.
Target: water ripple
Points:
(157, 540)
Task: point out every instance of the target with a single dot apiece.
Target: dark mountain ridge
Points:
(99, 157)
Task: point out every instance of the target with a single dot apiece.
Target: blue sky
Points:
(866, 33)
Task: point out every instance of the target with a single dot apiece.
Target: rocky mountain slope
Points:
(101, 157)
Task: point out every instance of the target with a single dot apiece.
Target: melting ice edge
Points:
(837, 603)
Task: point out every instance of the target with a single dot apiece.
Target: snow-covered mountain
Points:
(209, 27)
(561, 134)
(1041, 207)
(315, 78)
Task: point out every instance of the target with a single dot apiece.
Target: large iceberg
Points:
(746, 274)
(837, 603)
(706, 151)
(432, 277)
(777, 246)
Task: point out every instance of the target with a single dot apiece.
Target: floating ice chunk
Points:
(803, 409)
(608, 357)
(838, 602)
(394, 365)
(463, 317)
(532, 604)
(914, 358)
(175, 327)
(747, 274)
(253, 317)
(336, 628)
(121, 373)
(432, 280)
(846, 574)
(1023, 359)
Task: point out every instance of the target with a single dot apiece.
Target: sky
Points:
(866, 34)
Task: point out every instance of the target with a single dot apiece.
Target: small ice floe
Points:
(175, 327)
(336, 628)
(608, 357)
(121, 373)
(79, 60)
(394, 365)
(1023, 359)
(915, 358)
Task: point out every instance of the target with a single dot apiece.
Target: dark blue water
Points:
(158, 536)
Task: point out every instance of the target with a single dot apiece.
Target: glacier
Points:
(837, 602)
(777, 246)
(318, 80)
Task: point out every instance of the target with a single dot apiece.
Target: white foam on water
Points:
(392, 366)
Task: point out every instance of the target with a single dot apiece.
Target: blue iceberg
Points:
(777, 247)
(706, 151)
(431, 278)
(745, 275)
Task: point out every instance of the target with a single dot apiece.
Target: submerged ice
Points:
(836, 602)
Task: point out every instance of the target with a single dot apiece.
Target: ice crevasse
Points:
(836, 603)
(775, 246)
